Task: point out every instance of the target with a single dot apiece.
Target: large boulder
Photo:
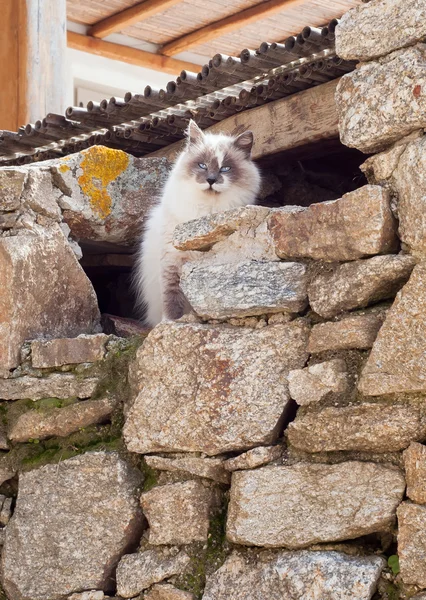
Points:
(71, 524)
(212, 389)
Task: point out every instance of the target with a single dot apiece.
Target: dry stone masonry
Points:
(271, 444)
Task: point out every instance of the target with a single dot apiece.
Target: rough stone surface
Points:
(409, 182)
(43, 291)
(313, 383)
(165, 591)
(137, 572)
(53, 549)
(359, 283)
(358, 224)
(123, 327)
(38, 425)
(254, 458)
(292, 506)
(397, 362)
(377, 28)
(358, 331)
(415, 472)
(108, 193)
(53, 386)
(68, 351)
(203, 233)
(412, 543)
(212, 389)
(178, 513)
(12, 182)
(362, 427)
(209, 468)
(368, 123)
(92, 595)
(244, 289)
(296, 576)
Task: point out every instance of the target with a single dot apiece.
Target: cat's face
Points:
(217, 162)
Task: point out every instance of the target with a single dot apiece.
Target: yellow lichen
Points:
(101, 166)
(64, 168)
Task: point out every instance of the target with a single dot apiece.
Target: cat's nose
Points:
(211, 180)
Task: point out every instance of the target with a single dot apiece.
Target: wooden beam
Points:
(32, 60)
(133, 56)
(131, 15)
(299, 120)
(231, 23)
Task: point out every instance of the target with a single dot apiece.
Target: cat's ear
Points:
(194, 133)
(244, 142)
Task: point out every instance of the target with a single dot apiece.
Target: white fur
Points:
(183, 199)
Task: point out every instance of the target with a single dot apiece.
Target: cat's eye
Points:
(202, 166)
(225, 169)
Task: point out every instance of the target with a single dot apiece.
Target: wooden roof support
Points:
(126, 54)
(131, 15)
(299, 120)
(231, 23)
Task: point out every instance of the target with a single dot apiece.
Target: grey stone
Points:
(67, 351)
(6, 510)
(92, 595)
(55, 385)
(178, 513)
(360, 427)
(313, 383)
(357, 225)
(137, 572)
(40, 195)
(397, 362)
(43, 291)
(359, 283)
(165, 591)
(305, 504)
(254, 458)
(12, 182)
(368, 123)
(304, 575)
(244, 289)
(415, 472)
(209, 468)
(71, 524)
(358, 331)
(36, 424)
(379, 27)
(412, 543)
(215, 389)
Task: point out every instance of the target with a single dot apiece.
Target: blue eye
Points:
(225, 169)
(202, 166)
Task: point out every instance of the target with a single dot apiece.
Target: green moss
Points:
(114, 370)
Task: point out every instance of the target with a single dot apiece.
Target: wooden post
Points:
(32, 60)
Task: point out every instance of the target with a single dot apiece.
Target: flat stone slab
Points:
(254, 458)
(56, 385)
(137, 572)
(415, 472)
(365, 427)
(359, 283)
(71, 524)
(68, 351)
(412, 543)
(178, 513)
(401, 80)
(60, 422)
(294, 507)
(377, 28)
(397, 362)
(358, 331)
(12, 183)
(165, 591)
(208, 468)
(296, 576)
(357, 225)
(314, 383)
(244, 289)
(212, 389)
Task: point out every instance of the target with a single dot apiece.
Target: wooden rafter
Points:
(133, 56)
(131, 15)
(231, 23)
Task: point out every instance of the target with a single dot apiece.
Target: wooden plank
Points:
(32, 60)
(131, 15)
(299, 120)
(133, 56)
(231, 23)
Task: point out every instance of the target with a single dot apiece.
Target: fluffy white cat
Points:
(214, 173)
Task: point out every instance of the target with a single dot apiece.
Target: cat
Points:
(214, 173)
